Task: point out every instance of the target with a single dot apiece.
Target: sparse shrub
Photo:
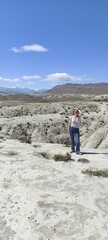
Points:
(66, 121)
(86, 111)
(67, 142)
(54, 111)
(98, 173)
(51, 141)
(102, 121)
(25, 140)
(83, 160)
(36, 146)
(45, 155)
(1, 137)
(85, 117)
(12, 153)
(60, 157)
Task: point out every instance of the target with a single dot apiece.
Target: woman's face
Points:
(76, 113)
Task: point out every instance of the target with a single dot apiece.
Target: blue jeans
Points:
(75, 138)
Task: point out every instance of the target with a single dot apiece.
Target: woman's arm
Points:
(80, 113)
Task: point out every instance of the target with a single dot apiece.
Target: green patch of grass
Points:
(60, 157)
(98, 173)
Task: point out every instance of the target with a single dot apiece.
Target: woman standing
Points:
(73, 129)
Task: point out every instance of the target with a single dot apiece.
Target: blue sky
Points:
(44, 43)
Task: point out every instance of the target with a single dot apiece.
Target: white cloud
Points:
(53, 78)
(15, 80)
(31, 82)
(28, 77)
(29, 48)
(65, 77)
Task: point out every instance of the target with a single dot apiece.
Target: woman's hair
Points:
(75, 110)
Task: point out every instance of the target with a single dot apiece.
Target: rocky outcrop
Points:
(48, 122)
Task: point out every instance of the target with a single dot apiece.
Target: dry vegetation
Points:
(60, 157)
(98, 173)
(83, 160)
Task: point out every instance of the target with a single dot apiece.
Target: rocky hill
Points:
(48, 121)
(96, 89)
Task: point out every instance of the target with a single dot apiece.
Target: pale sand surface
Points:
(41, 199)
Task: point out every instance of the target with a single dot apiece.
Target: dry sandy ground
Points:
(41, 199)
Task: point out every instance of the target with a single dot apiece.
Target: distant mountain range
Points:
(69, 88)
(20, 90)
(95, 88)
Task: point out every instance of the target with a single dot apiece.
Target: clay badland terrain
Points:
(44, 199)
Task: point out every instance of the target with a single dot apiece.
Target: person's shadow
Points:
(94, 153)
